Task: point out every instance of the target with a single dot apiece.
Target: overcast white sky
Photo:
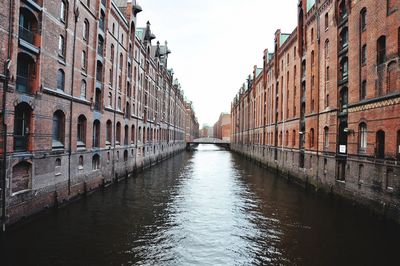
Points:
(216, 43)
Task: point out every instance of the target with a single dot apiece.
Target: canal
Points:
(208, 207)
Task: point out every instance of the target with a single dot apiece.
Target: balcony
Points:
(26, 35)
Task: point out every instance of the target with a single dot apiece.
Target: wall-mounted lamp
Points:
(348, 130)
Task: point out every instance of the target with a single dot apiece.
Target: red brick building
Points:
(87, 98)
(222, 128)
(325, 106)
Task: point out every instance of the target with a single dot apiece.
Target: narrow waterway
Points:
(208, 207)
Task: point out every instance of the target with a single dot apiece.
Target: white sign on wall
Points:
(342, 148)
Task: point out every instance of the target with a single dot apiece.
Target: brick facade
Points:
(325, 106)
(89, 99)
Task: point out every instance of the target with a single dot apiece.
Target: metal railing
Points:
(26, 34)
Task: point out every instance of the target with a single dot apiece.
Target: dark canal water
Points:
(209, 207)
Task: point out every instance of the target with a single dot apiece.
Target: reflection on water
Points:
(209, 207)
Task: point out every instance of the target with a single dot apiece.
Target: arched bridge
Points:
(219, 142)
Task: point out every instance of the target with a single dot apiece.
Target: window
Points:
(81, 131)
(381, 50)
(327, 49)
(126, 135)
(25, 73)
(96, 133)
(22, 118)
(312, 34)
(84, 60)
(95, 162)
(118, 133)
(327, 77)
(58, 129)
(85, 32)
(344, 38)
(363, 19)
(97, 100)
(113, 28)
(108, 132)
(391, 6)
(344, 98)
(362, 131)
(121, 61)
(326, 137)
(110, 99)
(119, 103)
(343, 9)
(363, 90)
(125, 156)
(380, 144)
(326, 21)
(57, 166)
(312, 137)
(344, 68)
(80, 163)
(63, 11)
(61, 46)
(100, 46)
(294, 138)
(364, 55)
(398, 42)
(60, 80)
(83, 89)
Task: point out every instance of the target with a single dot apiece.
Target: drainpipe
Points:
(318, 80)
(76, 16)
(7, 65)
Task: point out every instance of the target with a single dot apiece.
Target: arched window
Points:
(118, 133)
(96, 133)
(102, 20)
(58, 129)
(80, 162)
(22, 118)
(126, 135)
(84, 60)
(125, 155)
(326, 20)
(61, 46)
(380, 144)
(99, 71)
(326, 137)
(95, 162)
(81, 131)
(97, 99)
(83, 89)
(110, 99)
(60, 80)
(140, 134)
(108, 132)
(57, 166)
(119, 103)
(127, 110)
(63, 11)
(363, 19)
(100, 46)
(362, 137)
(85, 31)
(294, 138)
(393, 76)
(121, 61)
(381, 50)
(327, 46)
(312, 137)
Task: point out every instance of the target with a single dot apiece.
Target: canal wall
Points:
(369, 183)
(53, 187)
